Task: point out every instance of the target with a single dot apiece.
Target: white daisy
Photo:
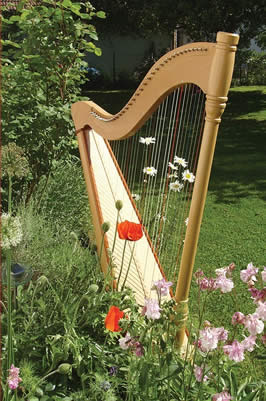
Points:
(147, 141)
(179, 160)
(136, 197)
(175, 186)
(150, 171)
(172, 166)
(188, 176)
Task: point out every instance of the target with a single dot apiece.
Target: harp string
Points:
(177, 127)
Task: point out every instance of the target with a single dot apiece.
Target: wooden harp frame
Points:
(207, 65)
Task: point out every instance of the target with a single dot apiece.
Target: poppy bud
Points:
(119, 205)
(106, 226)
(64, 368)
(93, 288)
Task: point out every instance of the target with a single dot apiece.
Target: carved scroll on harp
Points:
(179, 103)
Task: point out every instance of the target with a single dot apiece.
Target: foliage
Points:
(43, 51)
(64, 352)
(199, 19)
(250, 68)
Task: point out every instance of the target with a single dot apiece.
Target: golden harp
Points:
(155, 155)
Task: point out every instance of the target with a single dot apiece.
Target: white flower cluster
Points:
(11, 234)
(176, 185)
(147, 141)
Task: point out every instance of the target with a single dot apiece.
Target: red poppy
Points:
(112, 318)
(130, 231)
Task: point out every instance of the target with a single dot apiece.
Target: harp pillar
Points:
(218, 86)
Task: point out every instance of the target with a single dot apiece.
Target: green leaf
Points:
(67, 3)
(98, 51)
(101, 14)
(251, 396)
(9, 42)
(233, 383)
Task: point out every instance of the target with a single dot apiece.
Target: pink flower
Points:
(253, 324)
(225, 284)
(221, 333)
(258, 295)
(249, 273)
(13, 378)
(198, 372)
(163, 286)
(223, 396)
(235, 351)
(125, 342)
(263, 274)
(207, 283)
(139, 351)
(151, 309)
(261, 310)
(238, 318)
(249, 343)
(208, 339)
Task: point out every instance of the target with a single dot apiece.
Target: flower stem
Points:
(131, 257)
(122, 261)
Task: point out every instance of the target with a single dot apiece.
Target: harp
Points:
(155, 155)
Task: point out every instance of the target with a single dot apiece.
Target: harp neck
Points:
(207, 65)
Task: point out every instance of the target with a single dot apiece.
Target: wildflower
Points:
(150, 171)
(129, 231)
(139, 351)
(223, 396)
(11, 231)
(175, 186)
(207, 283)
(147, 141)
(188, 176)
(235, 351)
(186, 221)
(258, 295)
(113, 370)
(253, 324)
(105, 385)
(14, 161)
(198, 372)
(263, 274)
(225, 284)
(208, 339)
(238, 318)
(179, 160)
(221, 333)
(151, 309)
(261, 310)
(249, 273)
(13, 378)
(172, 166)
(125, 342)
(162, 287)
(136, 197)
(112, 318)
(249, 343)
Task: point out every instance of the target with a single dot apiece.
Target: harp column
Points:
(216, 98)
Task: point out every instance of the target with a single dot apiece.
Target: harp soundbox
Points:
(155, 155)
